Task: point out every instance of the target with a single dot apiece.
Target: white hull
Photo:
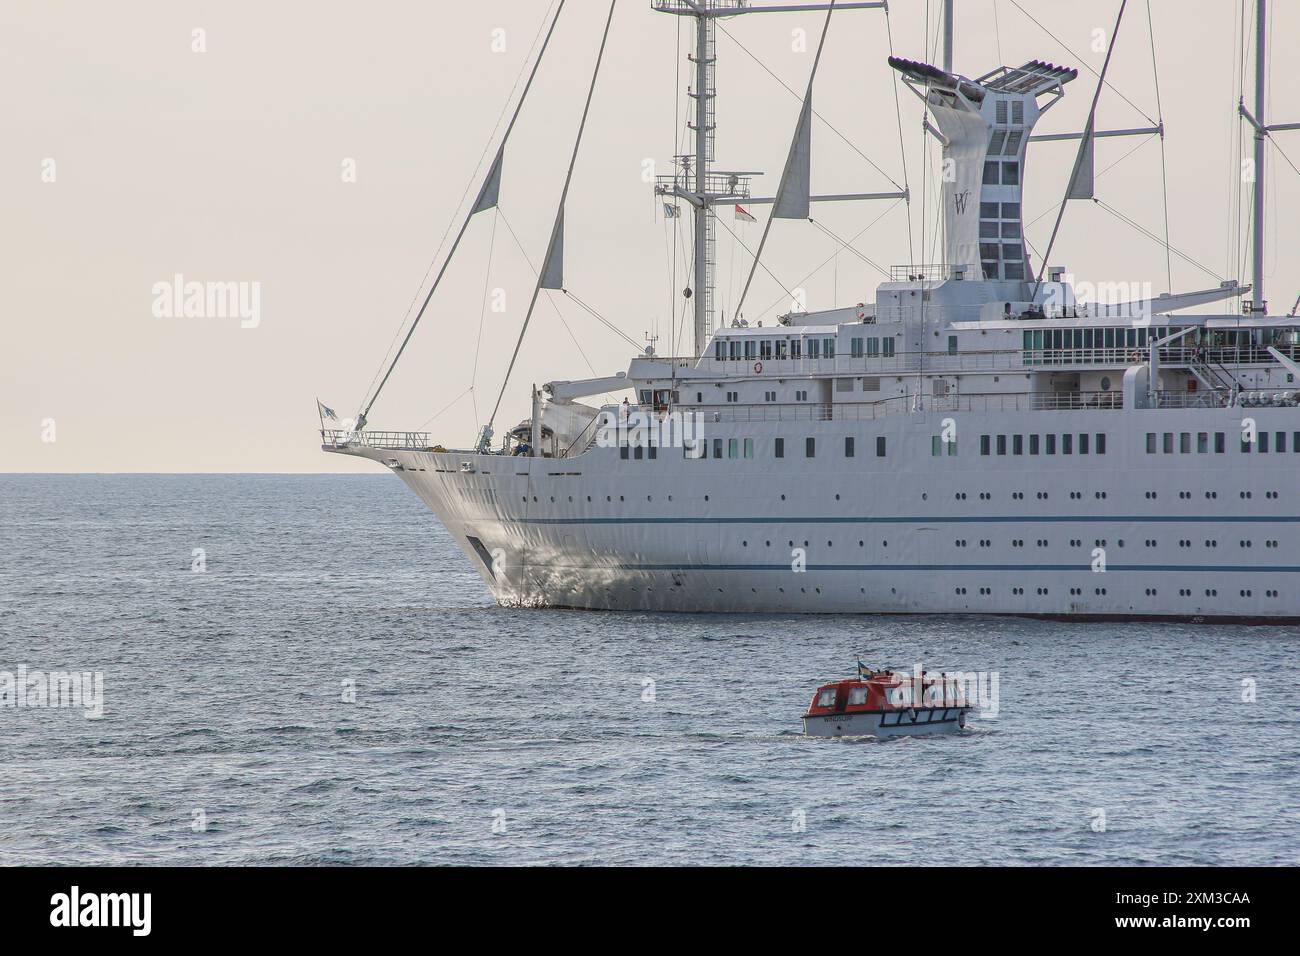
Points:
(1185, 535)
(900, 723)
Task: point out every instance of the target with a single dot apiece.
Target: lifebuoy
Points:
(758, 366)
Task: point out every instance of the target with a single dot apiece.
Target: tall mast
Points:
(1259, 303)
(694, 179)
(704, 93)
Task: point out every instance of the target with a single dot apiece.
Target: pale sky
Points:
(130, 158)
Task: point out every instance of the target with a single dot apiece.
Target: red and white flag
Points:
(742, 215)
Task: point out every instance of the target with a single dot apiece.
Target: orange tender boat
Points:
(887, 704)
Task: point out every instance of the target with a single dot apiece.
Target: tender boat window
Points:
(857, 696)
(826, 698)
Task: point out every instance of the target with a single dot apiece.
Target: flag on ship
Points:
(671, 211)
(325, 411)
(742, 215)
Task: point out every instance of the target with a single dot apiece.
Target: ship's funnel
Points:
(985, 125)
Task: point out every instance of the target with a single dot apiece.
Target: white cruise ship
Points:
(974, 440)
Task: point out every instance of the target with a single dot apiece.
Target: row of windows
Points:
(1044, 444)
(873, 347)
(1164, 442)
(750, 350)
(744, 448)
(1117, 338)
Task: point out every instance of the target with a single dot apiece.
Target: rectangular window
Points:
(1151, 443)
(733, 447)
(1083, 443)
(1167, 443)
(1033, 444)
(778, 448)
(638, 452)
(936, 445)
(749, 448)
(1245, 446)
(782, 348)
(888, 345)
(952, 345)
(952, 447)
(1051, 444)
(796, 346)
(984, 444)
(1014, 270)
(855, 348)
(749, 350)
(622, 452)
(848, 446)
(873, 347)
(719, 350)
(988, 230)
(829, 349)
(990, 173)
(1262, 440)
(1101, 443)
(1011, 210)
(988, 210)
(1002, 444)
(717, 448)
(1011, 230)
(1010, 174)
(814, 349)
(1279, 441)
(880, 447)
(1220, 443)
(1067, 444)
(844, 385)
(810, 447)
(734, 350)
(1184, 443)
(1017, 444)
(652, 452)
(765, 350)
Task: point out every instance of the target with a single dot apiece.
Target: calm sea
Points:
(480, 734)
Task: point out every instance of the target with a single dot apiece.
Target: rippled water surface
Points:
(482, 734)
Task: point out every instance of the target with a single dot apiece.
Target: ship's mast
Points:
(704, 93)
(1258, 304)
(694, 179)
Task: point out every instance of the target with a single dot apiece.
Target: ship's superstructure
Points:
(977, 439)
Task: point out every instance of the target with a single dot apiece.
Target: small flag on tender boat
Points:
(742, 215)
(671, 211)
(326, 411)
(864, 672)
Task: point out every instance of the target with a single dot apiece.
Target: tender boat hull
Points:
(889, 723)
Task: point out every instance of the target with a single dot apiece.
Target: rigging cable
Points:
(487, 277)
(830, 258)
(1164, 174)
(559, 216)
(361, 419)
(902, 151)
(1082, 61)
(834, 129)
(1155, 238)
(790, 159)
(451, 221)
(1088, 130)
